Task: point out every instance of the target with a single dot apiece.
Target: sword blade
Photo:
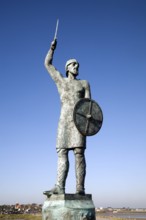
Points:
(55, 36)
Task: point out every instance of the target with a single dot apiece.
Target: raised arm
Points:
(55, 74)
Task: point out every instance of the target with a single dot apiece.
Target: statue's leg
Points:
(80, 166)
(63, 167)
(62, 171)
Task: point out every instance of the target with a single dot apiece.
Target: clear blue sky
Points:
(108, 38)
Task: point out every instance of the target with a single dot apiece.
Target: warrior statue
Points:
(71, 90)
(80, 117)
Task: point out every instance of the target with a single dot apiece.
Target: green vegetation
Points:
(20, 216)
(113, 218)
(39, 217)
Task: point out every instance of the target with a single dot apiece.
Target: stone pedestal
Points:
(68, 207)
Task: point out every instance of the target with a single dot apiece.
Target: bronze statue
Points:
(80, 117)
(71, 90)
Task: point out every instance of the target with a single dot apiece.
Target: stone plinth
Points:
(68, 207)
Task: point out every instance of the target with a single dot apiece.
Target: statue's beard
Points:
(75, 72)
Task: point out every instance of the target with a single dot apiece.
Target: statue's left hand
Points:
(53, 44)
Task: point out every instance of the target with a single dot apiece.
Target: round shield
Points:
(88, 117)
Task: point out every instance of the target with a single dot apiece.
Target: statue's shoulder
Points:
(83, 80)
(85, 83)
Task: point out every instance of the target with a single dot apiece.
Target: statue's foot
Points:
(80, 192)
(56, 190)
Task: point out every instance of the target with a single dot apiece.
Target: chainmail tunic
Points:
(71, 91)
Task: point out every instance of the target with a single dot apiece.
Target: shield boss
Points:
(88, 117)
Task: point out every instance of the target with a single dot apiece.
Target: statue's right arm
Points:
(55, 74)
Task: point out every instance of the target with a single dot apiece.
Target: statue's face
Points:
(73, 68)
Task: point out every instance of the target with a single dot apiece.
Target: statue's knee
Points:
(63, 154)
(79, 151)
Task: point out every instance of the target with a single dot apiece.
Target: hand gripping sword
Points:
(55, 36)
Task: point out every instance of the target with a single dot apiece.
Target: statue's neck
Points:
(71, 76)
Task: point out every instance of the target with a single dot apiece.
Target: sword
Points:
(55, 36)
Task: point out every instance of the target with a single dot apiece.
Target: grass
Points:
(21, 216)
(114, 218)
(39, 217)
